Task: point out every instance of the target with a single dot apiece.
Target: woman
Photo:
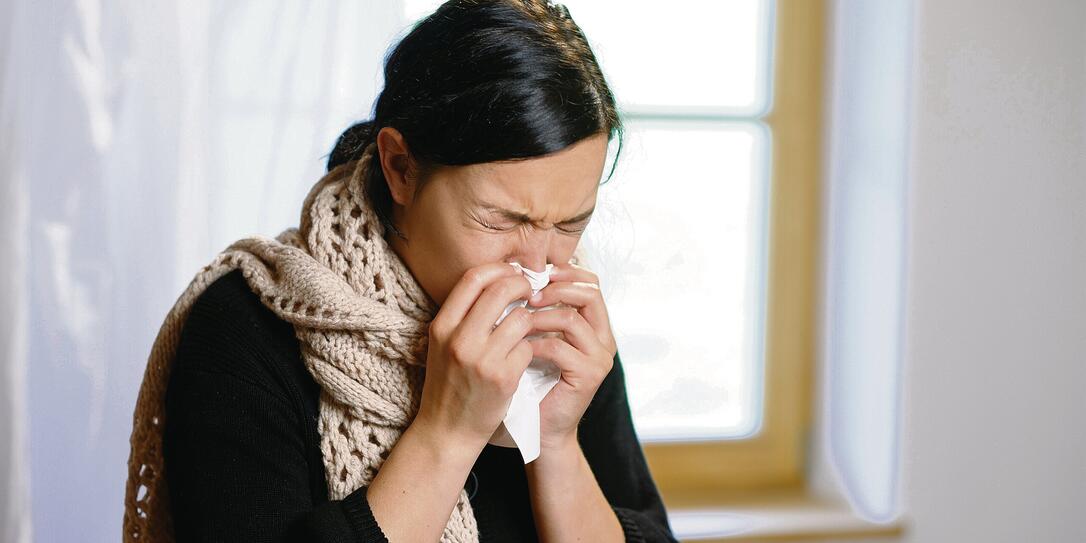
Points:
(342, 381)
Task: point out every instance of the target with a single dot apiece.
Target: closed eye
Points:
(495, 228)
(576, 230)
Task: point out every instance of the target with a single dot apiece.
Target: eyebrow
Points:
(517, 216)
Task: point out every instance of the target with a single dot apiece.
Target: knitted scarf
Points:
(361, 319)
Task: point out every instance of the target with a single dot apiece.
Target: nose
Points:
(533, 250)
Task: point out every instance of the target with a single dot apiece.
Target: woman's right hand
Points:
(472, 367)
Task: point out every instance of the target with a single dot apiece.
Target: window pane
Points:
(700, 55)
(697, 54)
(679, 246)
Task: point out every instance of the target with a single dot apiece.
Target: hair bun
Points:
(351, 144)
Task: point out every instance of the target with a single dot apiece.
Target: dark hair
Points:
(481, 81)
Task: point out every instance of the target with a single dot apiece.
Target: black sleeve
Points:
(610, 444)
(236, 455)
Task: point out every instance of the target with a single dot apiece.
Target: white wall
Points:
(996, 356)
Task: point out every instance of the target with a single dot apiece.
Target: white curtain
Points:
(14, 478)
(857, 445)
(139, 139)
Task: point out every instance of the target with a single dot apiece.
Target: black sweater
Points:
(242, 456)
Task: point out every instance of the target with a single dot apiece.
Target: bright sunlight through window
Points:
(680, 237)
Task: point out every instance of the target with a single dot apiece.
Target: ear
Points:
(394, 156)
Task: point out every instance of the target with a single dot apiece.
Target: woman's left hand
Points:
(584, 357)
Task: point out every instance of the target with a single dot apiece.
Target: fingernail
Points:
(536, 297)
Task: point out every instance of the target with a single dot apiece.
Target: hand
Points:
(584, 356)
(473, 367)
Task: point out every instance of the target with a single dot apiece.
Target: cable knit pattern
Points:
(362, 321)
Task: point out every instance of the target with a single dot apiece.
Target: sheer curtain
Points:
(856, 452)
(139, 139)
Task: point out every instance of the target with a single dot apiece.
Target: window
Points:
(708, 259)
(687, 210)
(705, 237)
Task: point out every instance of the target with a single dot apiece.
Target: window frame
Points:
(774, 459)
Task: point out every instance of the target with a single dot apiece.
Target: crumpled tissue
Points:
(520, 427)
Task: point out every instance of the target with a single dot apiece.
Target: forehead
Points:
(548, 187)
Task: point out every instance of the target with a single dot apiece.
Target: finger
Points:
(585, 298)
(520, 357)
(577, 331)
(568, 359)
(481, 318)
(507, 337)
(470, 286)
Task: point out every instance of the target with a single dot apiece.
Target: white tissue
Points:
(520, 428)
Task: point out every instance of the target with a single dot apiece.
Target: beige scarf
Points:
(362, 321)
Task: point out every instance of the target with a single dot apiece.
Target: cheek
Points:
(453, 250)
(475, 248)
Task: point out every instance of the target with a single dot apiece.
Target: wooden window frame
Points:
(774, 459)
